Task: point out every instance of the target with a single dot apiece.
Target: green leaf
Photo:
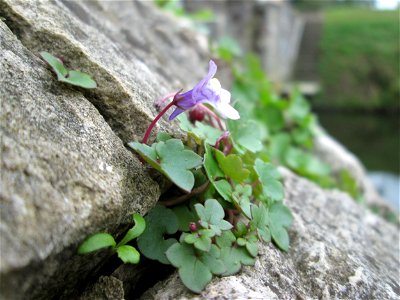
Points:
(212, 260)
(269, 178)
(298, 108)
(201, 242)
(348, 184)
(226, 239)
(151, 243)
(79, 79)
(224, 188)
(241, 241)
(200, 239)
(72, 77)
(279, 144)
(214, 174)
(212, 216)
(185, 216)
(148, 153)
(232, 166)
(241, 229)
(128, 254)
(202, 132)
(234, 258)
(56, 64)
(246, 134)
(176, 162)
(280, 218)
(195, 270)
(252, 248)
(163, 136)
(241, 196)
(306, 164)
(171, 159)
(135, 231)
(96, 242)
(273, 116)
(260, 222)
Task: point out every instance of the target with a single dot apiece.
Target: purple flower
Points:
(208, 90)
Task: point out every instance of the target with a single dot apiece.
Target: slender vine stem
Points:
(153, 123)
(174, 201)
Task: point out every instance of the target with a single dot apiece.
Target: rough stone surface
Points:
(339, 250)
(106, 288)
(136, 53)
(65, 172)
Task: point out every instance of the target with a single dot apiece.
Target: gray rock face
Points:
(135, 52)
(338, 250)
(65, 172)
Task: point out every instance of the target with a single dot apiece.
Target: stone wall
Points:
(66, 173)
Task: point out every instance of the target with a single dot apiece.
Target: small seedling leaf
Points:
(135, 231)
(128, 254)
(96, 242)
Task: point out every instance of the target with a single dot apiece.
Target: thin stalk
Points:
(183, 198)
(153, 123)
(214, 115)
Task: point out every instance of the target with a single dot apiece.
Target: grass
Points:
(359, 62)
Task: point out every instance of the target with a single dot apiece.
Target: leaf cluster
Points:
(219, 229)
(285, 124)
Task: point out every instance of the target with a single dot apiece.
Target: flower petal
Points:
(227, 111)
(175, 113)
(212, 69)
(225, 96)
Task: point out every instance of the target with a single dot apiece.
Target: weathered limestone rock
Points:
(135, 52)
(65, 172)
(339, 250)
(106, 288)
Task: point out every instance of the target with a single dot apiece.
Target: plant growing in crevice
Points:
(127, 253)
(69, 76)
(230, 193)
(227, 195)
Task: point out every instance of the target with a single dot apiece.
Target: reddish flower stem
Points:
(153, 123)
(215, 117)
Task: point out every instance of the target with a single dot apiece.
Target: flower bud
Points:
(197, 113)
(192, 226)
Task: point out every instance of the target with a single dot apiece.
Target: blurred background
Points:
(342, 55)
